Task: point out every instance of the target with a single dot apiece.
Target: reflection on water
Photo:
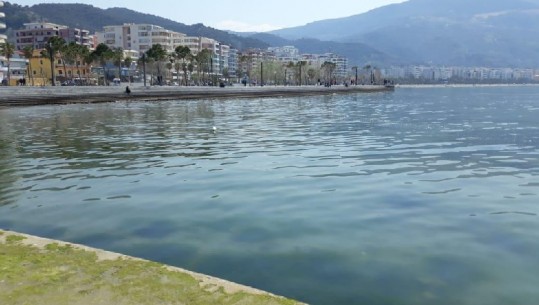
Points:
(421, 196)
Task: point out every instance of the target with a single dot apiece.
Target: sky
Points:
(240, 16)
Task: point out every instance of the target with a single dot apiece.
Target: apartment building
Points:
(139, 37)
(232, 63)
(37, 34)
(3, 38)
(285, 53)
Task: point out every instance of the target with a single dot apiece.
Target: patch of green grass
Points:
(14, 239)
(67, 275)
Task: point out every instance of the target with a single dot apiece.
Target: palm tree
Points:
(101, 54)
(311, 73)
(301, 64)
(70, 53)
(183, 53)
(117, 57)
(7, 50)
(81, 55)
(28, 53)
(87, 58)
(203, 58)
(290, 66)
(328, 68)
(158, 54)
(190, 68)
(127, 63)
(56, 47)
(368, 70)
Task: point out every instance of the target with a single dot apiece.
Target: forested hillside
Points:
(94, 19)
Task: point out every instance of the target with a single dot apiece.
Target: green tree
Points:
(127, 63)
(203, 59)
(28, 53)
(57, 47)
(158, 54)
(311, 74)
(300, 64)
(328, 68)
(70, 52)
(184, 54)
(117, 55)
(101, 54)
(7, 50)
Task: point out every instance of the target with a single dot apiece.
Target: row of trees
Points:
(158, 61)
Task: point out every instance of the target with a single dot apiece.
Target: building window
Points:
(59, 61)
(35, 72)
(60, 72)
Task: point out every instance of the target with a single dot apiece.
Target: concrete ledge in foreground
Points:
(30, 96)
(36, 270)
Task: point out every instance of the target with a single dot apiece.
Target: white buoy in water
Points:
(214, 129)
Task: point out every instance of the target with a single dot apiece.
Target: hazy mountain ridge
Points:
(94, 19)
(494, 33)
(441, 32)
(357, 53)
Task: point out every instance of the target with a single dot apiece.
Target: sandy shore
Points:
(24, 247)
(29, 96)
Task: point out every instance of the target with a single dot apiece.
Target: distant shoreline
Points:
(463, 85)
(32, 96)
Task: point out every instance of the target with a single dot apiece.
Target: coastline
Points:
(32, 96)
(67, 273)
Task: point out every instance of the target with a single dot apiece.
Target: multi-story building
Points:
(286, 53)
(41, 75)
(139, 37)
(232, 63)
(3, 38)
(37, 34)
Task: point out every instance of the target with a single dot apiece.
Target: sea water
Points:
(418, 196)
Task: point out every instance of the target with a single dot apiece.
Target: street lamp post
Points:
(144, 68)
(261, 74)
(356, 75)
(285, 70)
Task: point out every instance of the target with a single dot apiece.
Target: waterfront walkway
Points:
(41, 271)
(29, 96)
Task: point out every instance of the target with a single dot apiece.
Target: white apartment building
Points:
(3, 38)
(286, 53)
(139, 37)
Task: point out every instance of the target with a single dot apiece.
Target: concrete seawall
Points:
(30, 96)
(42, 271)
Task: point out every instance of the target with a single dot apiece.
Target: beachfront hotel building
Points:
(37, 34)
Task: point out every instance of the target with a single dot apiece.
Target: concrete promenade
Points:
(30, 96)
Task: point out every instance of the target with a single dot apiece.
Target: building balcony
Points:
(2, 15)
(1, 3)
(3, 37)
(2, 25)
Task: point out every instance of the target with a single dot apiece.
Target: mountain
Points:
(357, 53)
(94, 19)
(441, 32)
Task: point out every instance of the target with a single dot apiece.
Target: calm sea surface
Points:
(421, 196)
